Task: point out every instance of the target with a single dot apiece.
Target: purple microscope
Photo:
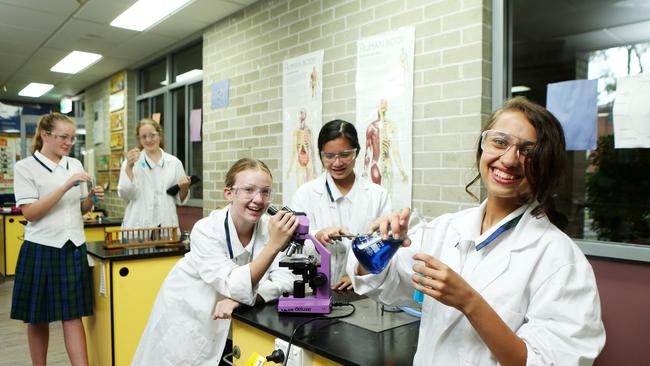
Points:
(316, 275)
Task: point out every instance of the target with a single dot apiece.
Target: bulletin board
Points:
(117, 121)
(117, 100)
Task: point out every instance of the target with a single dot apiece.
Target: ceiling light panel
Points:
(35, 90)
(75, 62)
(146, 13)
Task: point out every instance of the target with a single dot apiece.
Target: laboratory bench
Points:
(12, 231)
(347, 341)
(125, 285)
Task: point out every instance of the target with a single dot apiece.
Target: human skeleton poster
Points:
(384, 91)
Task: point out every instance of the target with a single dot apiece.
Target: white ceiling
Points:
(36, 34)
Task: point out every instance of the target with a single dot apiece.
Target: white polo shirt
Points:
(36, 177)
(149, 205)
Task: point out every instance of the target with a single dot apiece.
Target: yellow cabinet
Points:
(123, 301)
(253, 340)
(13, 240)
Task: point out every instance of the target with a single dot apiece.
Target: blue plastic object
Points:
(411, 311)
(418, 296)
(374, 253)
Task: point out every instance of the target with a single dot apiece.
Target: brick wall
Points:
(451, 96)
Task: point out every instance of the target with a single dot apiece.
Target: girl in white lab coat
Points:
(234, 255)
(53, 281)
(502, 284)
(146, 174)
(339, 202)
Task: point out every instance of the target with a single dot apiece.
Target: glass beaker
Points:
(373, 252)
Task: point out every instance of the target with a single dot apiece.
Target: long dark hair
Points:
(335, 129)
(545, 164)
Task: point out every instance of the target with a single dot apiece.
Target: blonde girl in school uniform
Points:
(53, 280)
(146, 174)
(233, 259)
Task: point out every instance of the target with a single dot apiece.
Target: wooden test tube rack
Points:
(131, 238)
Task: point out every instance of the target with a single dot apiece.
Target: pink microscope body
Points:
(315, 275)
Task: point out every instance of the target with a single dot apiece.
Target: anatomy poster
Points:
(302, 109)
(384, 88)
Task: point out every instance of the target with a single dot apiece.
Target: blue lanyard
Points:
(329, 191)
(227, 227)
(67, 164)
(508, 225)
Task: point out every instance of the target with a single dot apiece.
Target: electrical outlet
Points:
(298, 357)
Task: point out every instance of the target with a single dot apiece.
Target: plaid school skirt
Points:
(51, 284)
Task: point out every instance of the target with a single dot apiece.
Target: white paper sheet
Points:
(632, 112)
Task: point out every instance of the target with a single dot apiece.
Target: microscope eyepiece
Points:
(272, 210)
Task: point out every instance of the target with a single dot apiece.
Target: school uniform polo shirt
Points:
(342, 203)
(36, 177)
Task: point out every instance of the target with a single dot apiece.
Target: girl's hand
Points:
(184, 181)
(396, 222)
(281, 228)
(98, 191)
(77, 179)
(343, 284)
(328, 234)
(437, 280)
(132, 156)
(224, 308)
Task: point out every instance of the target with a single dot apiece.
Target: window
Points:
(605, 196)
(196, 148)
(187, 63)
(172, 104)
(153, 76)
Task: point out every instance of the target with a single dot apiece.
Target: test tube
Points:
(93, 184)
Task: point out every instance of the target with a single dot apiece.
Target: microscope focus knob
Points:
(318, 280)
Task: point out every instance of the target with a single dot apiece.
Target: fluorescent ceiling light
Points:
(35, 90)
(11, 130)
(189, 74)
(145, 13)
(519, 89)
(75, 62)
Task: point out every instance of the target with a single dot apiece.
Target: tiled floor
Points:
(13, 335)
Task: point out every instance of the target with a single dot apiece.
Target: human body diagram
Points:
(381, 154)
(302, 150)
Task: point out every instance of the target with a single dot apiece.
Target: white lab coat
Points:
(180, 330)
(534, 276)
(149, 205)
(356, 211)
